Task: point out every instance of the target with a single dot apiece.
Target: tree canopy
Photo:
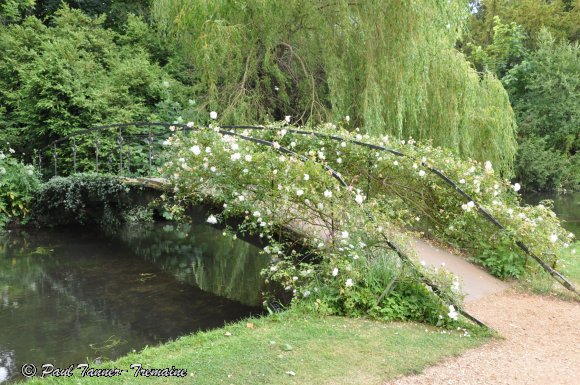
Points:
(390, 66)
(559, 17)
(532, 46)
(72, 75)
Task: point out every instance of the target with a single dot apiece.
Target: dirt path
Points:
(541, 345)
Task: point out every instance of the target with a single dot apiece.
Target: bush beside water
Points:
(18, 183)
(358, 273)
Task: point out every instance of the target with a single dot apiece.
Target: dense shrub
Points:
(73, 74)
(541, 167)
(81, 198)
(18, 183)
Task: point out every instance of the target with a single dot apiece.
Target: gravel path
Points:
(541, 345)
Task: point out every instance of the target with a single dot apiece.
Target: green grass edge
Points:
(293, 347)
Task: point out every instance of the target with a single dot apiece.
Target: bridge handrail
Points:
(553, 273)
(149, 135)
(336, 175)
(107, 126)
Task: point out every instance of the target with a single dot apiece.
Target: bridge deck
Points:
(475, 281)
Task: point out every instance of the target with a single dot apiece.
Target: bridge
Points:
(135, 151)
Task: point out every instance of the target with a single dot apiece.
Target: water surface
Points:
(566, 206)
(74, 294)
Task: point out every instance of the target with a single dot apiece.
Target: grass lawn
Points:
(293, 348)
(570, 263)
(543, 283)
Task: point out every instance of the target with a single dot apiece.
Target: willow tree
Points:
(391, 66)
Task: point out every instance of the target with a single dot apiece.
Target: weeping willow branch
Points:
(307, 74)
(390, 65)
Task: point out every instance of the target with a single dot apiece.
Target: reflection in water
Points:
(7, 366)
(200, 255)
(566, 206)
(69, 295)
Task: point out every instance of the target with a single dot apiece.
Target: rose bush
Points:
(350, 204)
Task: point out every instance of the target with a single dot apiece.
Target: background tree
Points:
(12, 11)
(545, 92)
(532, 46)
(560, 17)
(391, 66)
(507, 49)
(72, 75)
(116, 11)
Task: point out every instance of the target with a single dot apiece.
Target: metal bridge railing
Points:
(126, 149)
(122, 160)
(561, 279)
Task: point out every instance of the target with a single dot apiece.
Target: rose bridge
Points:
(134, 151)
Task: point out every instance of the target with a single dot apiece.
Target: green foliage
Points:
(502, 259)
(18, 184)
(391, 67)
(570, 263)
(506, 50)
(72, 75)
(12, 11)
(352, 271)
(545, 91)
(560, 17)
(121, 11)
(47, 8)
(544, 284)
(80, 198)
(533, 47)
(116, 11)
(138, 215)
(540, 167)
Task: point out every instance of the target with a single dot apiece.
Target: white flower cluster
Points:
(468, 206)
(195, 150)
(211, 220)
(452, 313)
